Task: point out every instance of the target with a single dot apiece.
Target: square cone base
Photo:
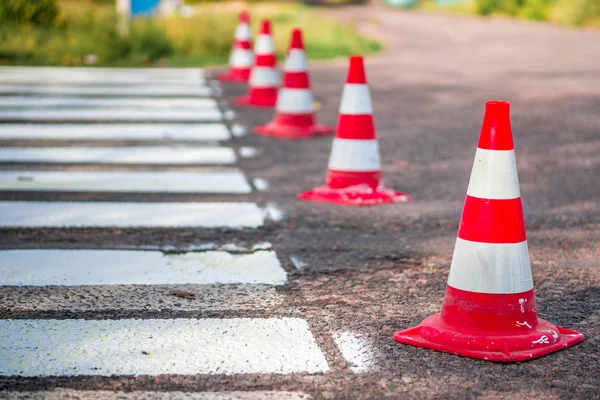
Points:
(254, 102)
(235, 76)
(354, 196)
(292, 132)
(503, 346)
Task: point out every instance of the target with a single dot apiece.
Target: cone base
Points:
(433, 333)
(254, 102)
(360, 195)
(285, 131)
(235, 75)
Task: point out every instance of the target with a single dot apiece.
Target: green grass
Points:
(86, 27)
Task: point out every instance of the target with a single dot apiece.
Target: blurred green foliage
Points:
(28, 12)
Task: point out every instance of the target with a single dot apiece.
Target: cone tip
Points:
(356, 71)
(265, 27)
(297, 42)
(244, 17)
(496, 133)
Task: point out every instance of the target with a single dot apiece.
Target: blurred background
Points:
(181, 33)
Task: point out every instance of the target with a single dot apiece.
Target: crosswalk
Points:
(45, 110)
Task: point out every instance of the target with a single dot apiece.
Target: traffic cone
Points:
(294, 111)
(264, 79)
(241, 58)
(354, 173)
(489, 311)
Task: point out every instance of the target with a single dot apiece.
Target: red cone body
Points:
(242, 57)
(489, 311)
(354, 173)
(264, 79)
(294, 111)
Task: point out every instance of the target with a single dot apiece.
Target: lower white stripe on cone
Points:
(356, 99)
(241, 58)
(295, 101)
(119, 155)
(354, 155)
(264, 45)
(115, 267)
(158, 346)
(494, 175)
(232, 181)
(490, 267)
(61, 394)
(264, 77)
(32, 214)
(155, 132)
(116, 114)
(98, 90)
(64, 101)
(296, 61)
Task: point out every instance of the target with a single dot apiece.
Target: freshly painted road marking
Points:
(357, 350)
(145, 132)
(112, 114)
(115, 267)
(192, 90)
(210, 299)
(29, 214)
(61, 394)
(158, 346)
(119, 155)
(125, 181)
(61, 101)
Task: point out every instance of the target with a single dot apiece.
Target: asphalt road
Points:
(373, 271)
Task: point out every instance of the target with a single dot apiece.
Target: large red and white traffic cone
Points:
(354, 173)
(242, 57)
(264, 78)
(489, 311)
(294, 111)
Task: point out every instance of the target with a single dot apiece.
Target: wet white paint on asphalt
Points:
(63, 101)
(145, 132)
(112, 114)
(114, 267)
(119, 155)
(61, 394)
(158, 346)
(32, 214)
(356, 349)
(232, 181)
(188, 90)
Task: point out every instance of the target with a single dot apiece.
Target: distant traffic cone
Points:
(489, 311)
(354, 174)
(241, 58)
(264, 79)
(294, 111)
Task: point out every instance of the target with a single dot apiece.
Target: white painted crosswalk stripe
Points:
(104, 90)
(112, 114)
(63, 101)
(86, 74)
(153, 347)
(119, 155)
(61, 394)
(146, 132)
(232, 181)
(31, 214)
(114, 267)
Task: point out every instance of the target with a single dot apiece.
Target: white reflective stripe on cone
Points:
(242, 32)
(242, 58)
(295, 101)
(356, 99)
(264, 45)
(354, 155)
(296, 61)
(490, 267)
(494, 175)
(264, 77)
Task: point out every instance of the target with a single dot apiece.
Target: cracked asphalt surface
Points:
(377, 270)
